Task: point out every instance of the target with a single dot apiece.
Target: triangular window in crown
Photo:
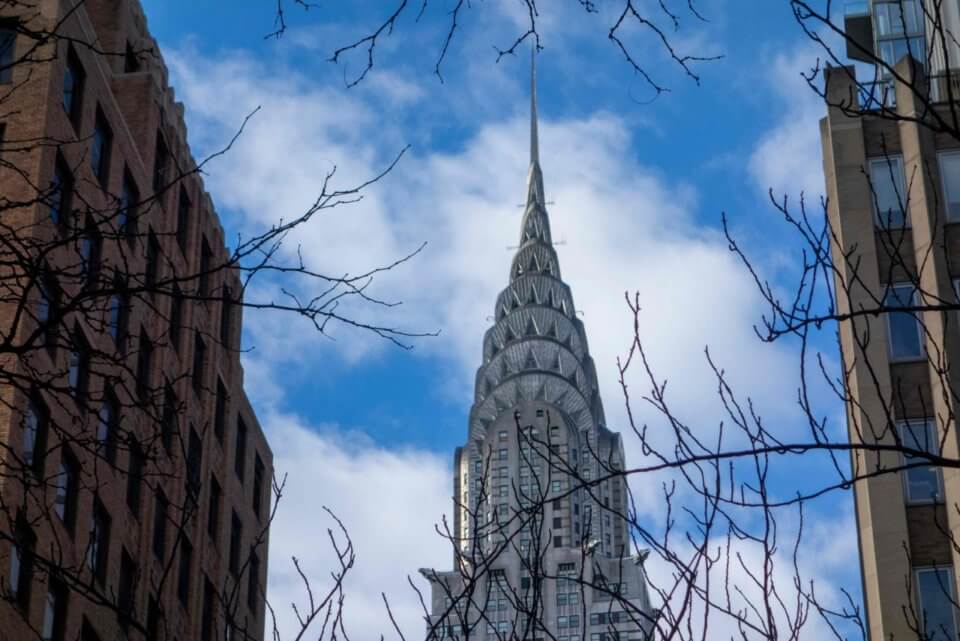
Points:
(508, 334)
(541, 393)
(519, 270)
(531, 329)
(494, 348)
(502, 312)
(563, 307)
(532, 298)
(487, 386)
(500, 405)
(531, 361)
(548, 268)
(515, 299)
(552, 299)
(534, 264)
(552, 330)
(504, 368)
(557, 364)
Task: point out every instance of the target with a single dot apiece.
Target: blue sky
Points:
(638, 186)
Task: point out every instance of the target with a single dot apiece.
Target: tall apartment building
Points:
(145, 481)
(894, 204)
(543, 550)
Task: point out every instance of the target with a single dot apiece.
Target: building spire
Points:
(534, 139)
(535, 177)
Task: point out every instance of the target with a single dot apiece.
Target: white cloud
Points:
(389, 502)
(788, 158)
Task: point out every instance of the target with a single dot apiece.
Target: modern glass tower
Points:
(542, 545)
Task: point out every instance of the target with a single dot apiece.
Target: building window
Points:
(88, 632)
(54, 611)
(8, 43)
(61, 192)
(253, 583)
(48, 309)
(183, 220)
(213, 509)
(888, 193)
(176, 316)
(183, 578)
(131, 62)
(127, 213)
(257, 484)
(199, 361)
(207, 627)
(73, 81)
(161, 162)
(938, 614)
(21, 563)
(226, 317)
(100, 145)
(35, 424)
(194, 461)
(144, 364)
(134, 476)
(90, 248)
(903, 328)
(98, 551)
(118, 316)
(168, 421)
(127, 588)
(107, 424)
(220, 411)
(160, 508)
(68, 487)
(923, 483)
(236, 534)
(950, 177)
(152, 264)
(240, 451)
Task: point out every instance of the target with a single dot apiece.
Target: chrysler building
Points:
(542, 545)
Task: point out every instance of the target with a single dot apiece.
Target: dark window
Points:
(253, 583)
(153, 259)
(161, 162)
(213, 512)
(73, 80)
(8, 42)
(78, 376)
(257, 484)
(220, 411)
(183, 578)
(119, 315)
(207, 627)
(168, 422)
(144, 364)
(557, 541)
(556, 521)
(134, 477)
(153, 618)
(226, 314)
(160, 508)
(240, 453)
(61, 192)
(100, 145)
(236, 534)
(21, 563)
(183, 220)
(194, 461)
(98, 552)
(35, 423)
(126, 588)
(129, 200)
(176, 316)
(90, 247)
(206, 257)
(107, 425)
(55, 611)
(131, 62)
(199, 361)
(48, 309)
(87, 631)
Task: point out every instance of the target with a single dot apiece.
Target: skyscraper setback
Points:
(542, 545)
(135, 492)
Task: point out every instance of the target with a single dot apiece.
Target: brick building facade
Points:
(144, 476)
